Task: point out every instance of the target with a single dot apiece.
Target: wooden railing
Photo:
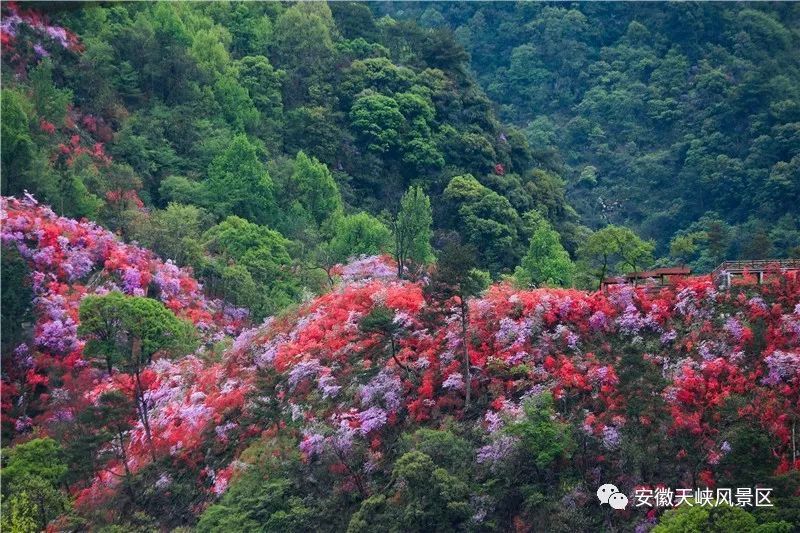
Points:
(756, 264)
(757, 267)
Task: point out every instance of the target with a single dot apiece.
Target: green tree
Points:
(182, 190)
(20, 515)
(98, 435)
(251, 265)
(49, 101)
(210, 50)
(267, 507)
(174, 233)
(786, 236)
(377, 74)
(126, 81)
(684, 247)
(353, 236)
(541, 446)
(235, 237)
(381, 321)
(264, 84)
(127, 331)
(17, 298)
(40, 458)
(456, 275)
(240, 184)
(487, 219)
(303, 47)
(17, 144)
(473, 151)
(314, 129)
(635, 253)
(120, 213)
(72, 194)
(251, 27)
(614, 249)
(423, 155)
(547, 262)
(719, 519)
(32, 478)
(235, 104)
(544, 439)
(315, 188)
(421, 497)
(411, 228)
(378, 120)
(144, 142)
(239, 288)
(447, 449)
(713, 241)
(359, 234)
(158, 47)
(265, 496)
(718, 239)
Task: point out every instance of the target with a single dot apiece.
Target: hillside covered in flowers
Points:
(357, 411)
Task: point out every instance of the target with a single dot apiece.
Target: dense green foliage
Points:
(547, 262)
(287, 116)
(613, 249)
(16, 299)
(359, 234)
(722, 519)
(660, 117)
(412, 230)
(636, 114)
(32, 483)
(127, 331)
(428, 489)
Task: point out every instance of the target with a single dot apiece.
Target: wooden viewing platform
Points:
(726, 272)
(723, 275)
(651, 279)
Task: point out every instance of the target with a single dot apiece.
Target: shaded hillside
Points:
(676, 119)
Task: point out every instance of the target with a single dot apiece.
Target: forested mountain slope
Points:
(288, 116)
(679, 120)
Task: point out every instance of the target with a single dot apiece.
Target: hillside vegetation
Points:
(386, 404)
(679, 120)
(285, 267)
(292, 117)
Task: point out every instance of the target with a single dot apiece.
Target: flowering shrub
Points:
(15, 19)
(520, 344)
(70, 259)
(68, 152)
(618, 366)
